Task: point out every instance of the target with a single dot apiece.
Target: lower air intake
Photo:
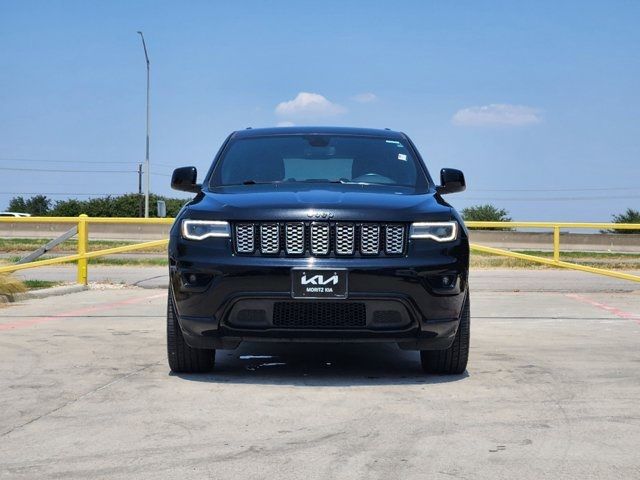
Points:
(319, 315)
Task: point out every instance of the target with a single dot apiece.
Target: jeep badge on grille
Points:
(319, 214)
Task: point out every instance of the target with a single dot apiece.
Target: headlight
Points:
(438, 231)
(200, 229)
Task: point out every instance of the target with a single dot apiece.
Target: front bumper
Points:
(222, 299)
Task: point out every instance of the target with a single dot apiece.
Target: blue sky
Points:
(538, 102)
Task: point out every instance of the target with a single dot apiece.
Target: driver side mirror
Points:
(451, 181)
(184, 179)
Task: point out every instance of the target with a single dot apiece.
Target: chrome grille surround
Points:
(269, 238)
(394, 239)
(294, 238)
(320, 238)
(245, 238)
(370, 239)
(345, 238)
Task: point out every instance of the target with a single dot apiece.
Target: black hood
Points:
(319, 202)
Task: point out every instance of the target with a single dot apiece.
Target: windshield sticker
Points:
(393, 141)
(402, 156)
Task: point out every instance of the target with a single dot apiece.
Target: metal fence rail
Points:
(83, 255)
(556, 227)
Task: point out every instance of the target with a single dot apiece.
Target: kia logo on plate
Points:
(318, 214)
(319, 280)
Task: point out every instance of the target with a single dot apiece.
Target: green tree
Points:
(127, 205)
(629, 216)
(37, 205)
(485, 213)
(17, 204)
(174, 205)
(68, 208)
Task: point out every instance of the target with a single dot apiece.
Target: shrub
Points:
(17, 204)
(485, 213)
(128, 205)
(37, 205)
(629, 216)
(10, 285)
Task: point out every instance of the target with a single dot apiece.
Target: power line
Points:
(550, 199)
(96, 162)
(84, 162)
(47, 170)
(109, 162)
(64, 193)
(165, 165)
(544, 189)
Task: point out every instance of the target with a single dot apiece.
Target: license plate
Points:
(318, 283)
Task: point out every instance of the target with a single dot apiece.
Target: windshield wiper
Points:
(320, 180)
(253, 182)
(307, 180)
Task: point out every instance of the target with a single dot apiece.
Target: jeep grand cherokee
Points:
(318, 235)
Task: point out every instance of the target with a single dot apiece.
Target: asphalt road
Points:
(551, 392)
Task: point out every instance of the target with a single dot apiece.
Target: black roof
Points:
(371, 132)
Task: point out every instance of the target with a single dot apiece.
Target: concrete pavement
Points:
(551, 392)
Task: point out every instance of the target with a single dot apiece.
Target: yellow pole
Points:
(556, 243)
(83, 240)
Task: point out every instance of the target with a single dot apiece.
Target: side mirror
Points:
(451, 181)
(184, 179)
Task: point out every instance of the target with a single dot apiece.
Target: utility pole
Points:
(147, 176)
(141, 208)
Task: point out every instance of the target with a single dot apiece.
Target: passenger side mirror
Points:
(451, 181)
(184, 179)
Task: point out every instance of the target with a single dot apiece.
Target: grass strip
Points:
(39, 284)
(609, 261)
(19, 245)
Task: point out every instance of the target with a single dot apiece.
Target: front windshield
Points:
(318, 158)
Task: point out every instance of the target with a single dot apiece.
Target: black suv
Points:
(318, 235)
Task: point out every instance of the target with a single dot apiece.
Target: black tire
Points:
(453, 360)
(182, 357)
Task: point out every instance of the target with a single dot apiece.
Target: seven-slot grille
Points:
(319, 238)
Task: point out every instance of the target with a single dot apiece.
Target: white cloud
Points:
(366, 97)
(309, 105)
(497, 114)
(286, 123)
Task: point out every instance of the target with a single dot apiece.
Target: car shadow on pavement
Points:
(319, 365)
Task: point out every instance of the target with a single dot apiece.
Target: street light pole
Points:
(140, 207)
(146, 159)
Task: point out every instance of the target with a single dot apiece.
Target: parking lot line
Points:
(551, 392)
(609, 308)
(77, 312)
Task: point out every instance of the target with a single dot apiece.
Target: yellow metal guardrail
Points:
(83, 255)
(555, 226)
